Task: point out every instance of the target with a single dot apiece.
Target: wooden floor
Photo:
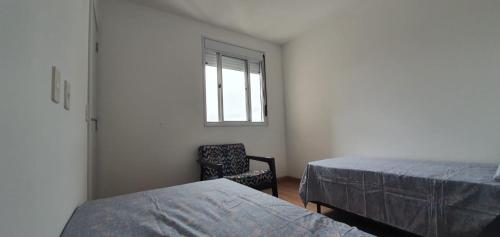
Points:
(288, 190)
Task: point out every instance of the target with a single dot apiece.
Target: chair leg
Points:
(272, 167)
(318, 208)
(275, 189)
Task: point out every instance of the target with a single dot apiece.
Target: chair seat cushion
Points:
(254, 178)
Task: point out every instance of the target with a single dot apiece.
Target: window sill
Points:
(236, 124)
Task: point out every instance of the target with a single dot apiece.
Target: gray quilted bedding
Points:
(424, 197)
(209, 208)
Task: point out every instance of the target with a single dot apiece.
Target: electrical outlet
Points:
(56, 85)
(67, 94)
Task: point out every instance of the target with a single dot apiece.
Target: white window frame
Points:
(247, 60)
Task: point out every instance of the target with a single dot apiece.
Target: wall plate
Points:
(67, 94)
(56, 85)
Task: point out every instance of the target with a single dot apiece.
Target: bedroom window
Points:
(234, 85)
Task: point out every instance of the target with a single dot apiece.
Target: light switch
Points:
(67, 94)
(56, 85)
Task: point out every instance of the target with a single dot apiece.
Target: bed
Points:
(427, 198)
(209, 208)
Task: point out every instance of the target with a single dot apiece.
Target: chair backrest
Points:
(232, 157)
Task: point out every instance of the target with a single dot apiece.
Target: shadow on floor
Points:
(367, 225)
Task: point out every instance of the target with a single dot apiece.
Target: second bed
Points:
(427, 198)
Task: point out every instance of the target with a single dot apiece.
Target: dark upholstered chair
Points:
(230, 161)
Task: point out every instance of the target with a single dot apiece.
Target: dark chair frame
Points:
(269, 160)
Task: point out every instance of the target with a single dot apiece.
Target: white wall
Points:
(392, 78)
(150, 100)
(42, 146)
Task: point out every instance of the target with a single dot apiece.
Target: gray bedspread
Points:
(209, 208)
(424, 197)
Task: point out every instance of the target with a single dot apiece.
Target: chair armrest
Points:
(268, 160)
(217, 167)
(262, 159)
(272, 167)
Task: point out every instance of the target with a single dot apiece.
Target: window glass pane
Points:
(233, 89)
(211, 88)
(256, 97)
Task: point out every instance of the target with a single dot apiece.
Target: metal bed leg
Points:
(318, 208)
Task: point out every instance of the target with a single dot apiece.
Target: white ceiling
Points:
(277, 21)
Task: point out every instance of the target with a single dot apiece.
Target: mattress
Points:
(209, 208)
(427, 198)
